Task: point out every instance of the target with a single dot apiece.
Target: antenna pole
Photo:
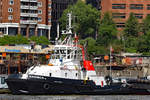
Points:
(57, 30)
(110, 61)
(69, 15)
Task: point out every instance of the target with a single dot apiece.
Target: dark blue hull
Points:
(53, 85)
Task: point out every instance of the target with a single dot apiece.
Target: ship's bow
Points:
(16, 84)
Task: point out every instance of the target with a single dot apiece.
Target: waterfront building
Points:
(25, 17)
(121, 10)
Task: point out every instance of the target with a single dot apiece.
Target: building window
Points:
(136, 6)
(39, 4)
(139, 16)
(49, 5)
(148, 14)
(118, 6)
(39, 19)
(49, 12)
(39, 11)
(11, 2)
(118, 15)
(120, 25)
(10, 17)
(148, 7)
(10, 10)
(49, 20)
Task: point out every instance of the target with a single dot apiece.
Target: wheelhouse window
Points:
(118, 6)
(2, 80)
(118, 15)
(136, 6)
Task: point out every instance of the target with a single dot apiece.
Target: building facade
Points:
(25, 17)
(121, 10)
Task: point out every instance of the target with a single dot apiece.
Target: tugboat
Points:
(67, 72)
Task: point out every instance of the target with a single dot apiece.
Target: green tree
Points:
(131, 44)
(131, 26)
(18, 39)
(131, 32)
(85, 19)
(34, 39)
(107, 31)
(143, 44)
(146, 24)
(40, 40)
(90, 44)
(3, 41)
(21, 40)
(43, 40)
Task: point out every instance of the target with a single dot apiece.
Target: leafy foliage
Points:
(143, 45)
(18, 39)
(146, 24)
(21, 40)
(90, 42)
(13, 40)
(107, 31)
(132, 26)
(40, 40)
(85, 21)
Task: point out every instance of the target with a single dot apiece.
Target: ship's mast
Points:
(68, 40)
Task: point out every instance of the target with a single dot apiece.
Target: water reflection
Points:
(73, 97)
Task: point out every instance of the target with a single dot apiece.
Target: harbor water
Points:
(73, 97)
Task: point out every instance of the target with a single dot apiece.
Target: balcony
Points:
(25, 7)
(25, 14)
(32, 0)
(34, 7)
(28, 21)
(29, 7)
(28, 0)
(29, 14)
(33, 14)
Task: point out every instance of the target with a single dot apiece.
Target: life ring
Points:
(46, 86)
